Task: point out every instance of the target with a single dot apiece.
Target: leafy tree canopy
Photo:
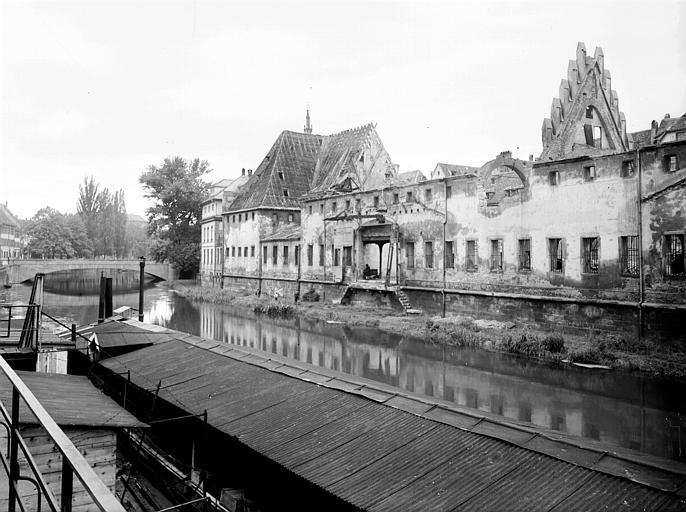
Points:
(51, 234)
(104, 217)
(178, 190)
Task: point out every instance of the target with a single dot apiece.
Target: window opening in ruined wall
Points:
(471, 254)
(589, 173)
(627, 169)
(524, 254)
(674, 255)
(555, 253)
(429, 254)
(590, 254)
(628, 255)
(671, 163)
(497, 255)
(409, 254)
(554, 178)
(449, 255)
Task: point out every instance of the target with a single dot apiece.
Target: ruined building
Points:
(589, 236)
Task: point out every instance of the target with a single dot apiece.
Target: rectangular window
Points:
(336, 257)
(409, 254)
(628, 255)
(281, 175)
(310, 210)
(290, 217)
(429, 254)
(449, 259)
(524, 254)
(597, 137)
(285, 255)
(408, 196)
(233, 252)
(275, 254)
(376, 201)
(348, 256)
(245, 251)
(253, 215)
(396, 198)
(589, 254)
(239, 252)
(321, 208)
(497, 255)
(589, 112)
(555, 254)
(333, 207)
(554, 178)
(448, 192)
(589, 173)
(627, 169)
(264, 255)
(322, 255)
(296, 254)
(671, 163)
(428, 194)
(252, 251)
(674, 255)
(347, 204)
(275, 218)
(471, 255)
(357, 205)
(310, 255)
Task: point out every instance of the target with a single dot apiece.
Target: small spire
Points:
(308, 126)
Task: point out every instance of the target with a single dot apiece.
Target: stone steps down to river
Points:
(379, 447)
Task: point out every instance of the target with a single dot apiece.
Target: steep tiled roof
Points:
(341, 159)
(673, 124)
(289, 166)
(454, 170)
(292, 232)
(411, 177)
(640, 139)
(7, 218)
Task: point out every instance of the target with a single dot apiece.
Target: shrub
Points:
(311, 295)
(554, 343)
(275, 310)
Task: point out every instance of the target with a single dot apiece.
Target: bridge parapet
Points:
(22, 270)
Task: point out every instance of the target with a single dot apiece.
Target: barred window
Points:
(409, 254)
(525, 254)
(628, 255)
(471, 255)
(497, 255)
(589, 254)
(674, 255)
(555, 253)
(449, 255)
(429, 254)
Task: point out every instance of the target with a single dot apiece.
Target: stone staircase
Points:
(405, 301)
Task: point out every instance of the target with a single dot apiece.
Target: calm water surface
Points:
(640, 413)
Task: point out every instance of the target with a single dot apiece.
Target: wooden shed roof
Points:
(379, 448)
(71, 400)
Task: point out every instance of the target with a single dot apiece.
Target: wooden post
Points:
(140, 289)
(14, 446)
(108, 297)
(101, 301)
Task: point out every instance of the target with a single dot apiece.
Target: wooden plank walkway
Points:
(379, 448)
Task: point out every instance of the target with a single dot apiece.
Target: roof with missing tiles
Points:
(380, 448)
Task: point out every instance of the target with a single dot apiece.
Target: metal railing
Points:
(73, 462)
(26, 333)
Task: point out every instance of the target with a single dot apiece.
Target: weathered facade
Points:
(10, 242)
(589, 236)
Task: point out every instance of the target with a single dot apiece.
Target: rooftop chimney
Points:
(249, 172)
(666, 116)
(243, 171)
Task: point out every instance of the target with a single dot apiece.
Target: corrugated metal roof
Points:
(71, 400)
(384, 450)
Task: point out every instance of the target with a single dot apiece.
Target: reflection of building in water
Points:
(574, 409)
(160, 312)
(571, 411)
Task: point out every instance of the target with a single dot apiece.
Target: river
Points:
(619, 408)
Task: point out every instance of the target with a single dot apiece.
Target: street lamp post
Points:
(140, 289)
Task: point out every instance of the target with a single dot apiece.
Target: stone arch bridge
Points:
(22, 270)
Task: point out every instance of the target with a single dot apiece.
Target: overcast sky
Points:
(108, 88)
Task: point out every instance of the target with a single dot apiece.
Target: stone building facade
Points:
(589, 236)
(10, 240)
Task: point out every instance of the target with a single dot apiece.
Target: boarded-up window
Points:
(497, 255)
(449, 253)
(555, 254)
(628, 255)
(674, 255)
(348, 256)
(524, 254)
(310, 255)
(409, 254)
(429, 254)
(590, 254)
(471, 255)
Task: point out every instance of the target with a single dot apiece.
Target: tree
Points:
(51, 234)
(104, 216)
(174, 220)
